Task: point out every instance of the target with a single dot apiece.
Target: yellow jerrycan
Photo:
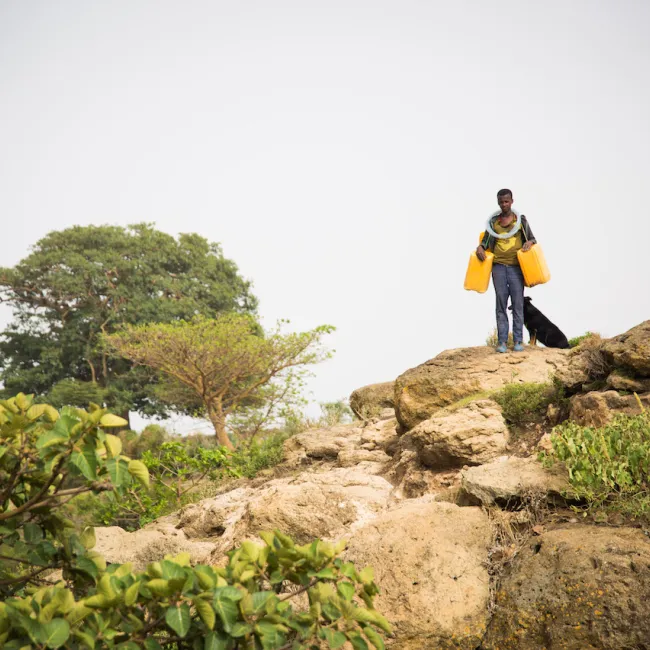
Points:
(478, 273)
(533, 266)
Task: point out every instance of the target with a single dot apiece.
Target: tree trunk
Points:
(218, 419)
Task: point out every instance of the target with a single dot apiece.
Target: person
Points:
(510, 233)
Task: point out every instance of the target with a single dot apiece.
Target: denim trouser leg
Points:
(509, 283)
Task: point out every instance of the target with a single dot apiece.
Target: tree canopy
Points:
(224, 361)
(82, 282)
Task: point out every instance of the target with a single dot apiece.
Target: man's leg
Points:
(516, 287)
(500, 280)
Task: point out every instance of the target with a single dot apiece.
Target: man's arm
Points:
(528, 235)
(482, 247)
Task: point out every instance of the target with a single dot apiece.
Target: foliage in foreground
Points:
(609, 465)
(47, 458)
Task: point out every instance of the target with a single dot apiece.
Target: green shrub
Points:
(610, 463)
(246, 604)
(259, 455)
(577, 340)
(523, 403)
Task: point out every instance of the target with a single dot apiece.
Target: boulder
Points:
(472, 435)
(455, 374)
(582, 587)
(429, 563)
(596, 409)
(631, 350)
(349, 458)
(380, 435)
(312, 504)
(619, 380)
(148, 544)
(321, 444)
(370, 400)
(511, 479)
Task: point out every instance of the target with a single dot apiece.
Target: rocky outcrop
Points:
(596, 409)
(509, 479)
(370, 400)
(620, 380)
(455, 374)
(149, 544)
(472, 435)
(325, 504)
(582, 587)
(429, 563)
(630, 351)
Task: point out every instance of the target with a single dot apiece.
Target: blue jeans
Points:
(509, 283)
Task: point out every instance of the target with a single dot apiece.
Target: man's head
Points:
(504, 199)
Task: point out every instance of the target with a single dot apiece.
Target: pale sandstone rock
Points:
(630, 350)
(456, 374)
(371, 400)
(596, 409)
(429, 563)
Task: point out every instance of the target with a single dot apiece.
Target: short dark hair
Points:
(504, 192)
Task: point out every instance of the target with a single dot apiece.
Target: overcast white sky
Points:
(345, 154)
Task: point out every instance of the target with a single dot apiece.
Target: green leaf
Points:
(346, 589)
(35, 411)
(87, 566)
(206, 612)
(51, 438)
(367, 575)
(33, 533)
(178, 619)
(139, 472)
(334, 638)
(226, 609)
(371, 616)
(87, 537)
(56, 632)
(216, 641)
(86, 461)
(272, 635)
(326, 573)
(357, 641)
(113, 445)
(131, 594)
(110, 420)
(152, 644)
(240, 629)
(374, 638)
(118, 470)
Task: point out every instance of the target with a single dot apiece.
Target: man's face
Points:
(505, 203)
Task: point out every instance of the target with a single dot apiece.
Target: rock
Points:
(596, 409)
(510, 479)
(349, 458)
(472, 435)
(456, 374)
(428, 560)
(148, 544)
(312, 504)
(580, 587)
(321, 444)
(381, 435)
(618, 380)
(370, 400)
(631, 350)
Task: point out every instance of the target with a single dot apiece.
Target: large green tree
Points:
(81, 283)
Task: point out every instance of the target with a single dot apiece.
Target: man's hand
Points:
(480, 253)
(527, 246)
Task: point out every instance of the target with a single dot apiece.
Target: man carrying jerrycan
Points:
(513, 234)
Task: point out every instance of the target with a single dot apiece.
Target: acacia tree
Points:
(82, 282)
(224, 361)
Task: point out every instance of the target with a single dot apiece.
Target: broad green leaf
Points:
(272, 635)
(226, 609)
(240, 629)
(131, 594)
(86, 461)
(35, 411)
(367, 575)
(118, 470)
(23, 402)
(139, 472)
(326, 574)
(113, 445)
(56, 632)
(374, 638)
(86, 639)
(371, 616)
(334, 638)
(110, 420)
(178, 619)
(357, 641)
(159, 586)
(346, 589)
(33, 533)
(206, 577)
(86, 565)
(216, 641)
(87, 537)
(206, 612)
(152, 644)
(51, 438)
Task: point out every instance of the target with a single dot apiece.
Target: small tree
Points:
(225, 362)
